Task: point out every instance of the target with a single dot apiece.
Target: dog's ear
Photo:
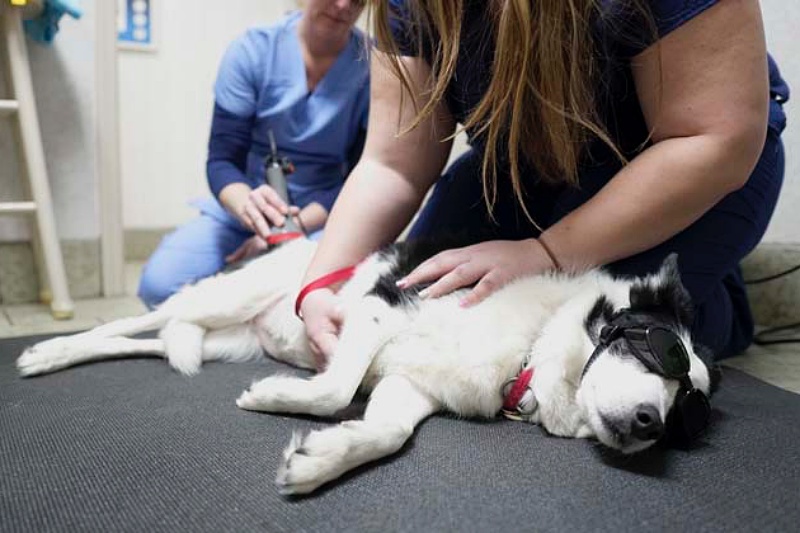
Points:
(664, 293)
(602, 313)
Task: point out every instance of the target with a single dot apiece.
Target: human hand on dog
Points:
(323, 318)
(249, 248)
(490, 264)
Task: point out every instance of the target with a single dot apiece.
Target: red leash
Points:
(343, 274)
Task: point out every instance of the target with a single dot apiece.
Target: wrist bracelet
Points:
(549, 252)
(299, 221)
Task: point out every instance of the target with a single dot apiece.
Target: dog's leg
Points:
(282, 336)
(394, 410)
(184, 345)
(231, 299)
(61, 352)
(367, 327)
(81, 350)
(181, 344)
(188, 345)
(558, 356)
(231, 345)
(125, 327)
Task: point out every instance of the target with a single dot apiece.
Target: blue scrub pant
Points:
(709, 250)
(194, 251)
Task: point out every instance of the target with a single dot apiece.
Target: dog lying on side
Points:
(584, 355)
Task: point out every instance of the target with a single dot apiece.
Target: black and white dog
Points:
(584, 355)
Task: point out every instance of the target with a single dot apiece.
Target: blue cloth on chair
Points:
(44, 27)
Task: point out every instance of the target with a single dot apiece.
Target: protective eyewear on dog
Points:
(662, 352)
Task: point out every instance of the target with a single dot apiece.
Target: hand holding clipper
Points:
(276, 169)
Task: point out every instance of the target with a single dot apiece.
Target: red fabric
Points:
(343, 274)
(518, 390)
(277, 238)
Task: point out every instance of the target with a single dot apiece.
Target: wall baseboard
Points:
(776, 302)
(19, 282)
(141, 243)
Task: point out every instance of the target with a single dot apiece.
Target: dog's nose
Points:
(647, 423)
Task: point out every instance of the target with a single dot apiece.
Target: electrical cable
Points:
(772, 277)
(763, 338)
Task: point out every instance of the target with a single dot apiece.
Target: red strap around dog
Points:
(277, 238)
(511, 401)
(343, 274)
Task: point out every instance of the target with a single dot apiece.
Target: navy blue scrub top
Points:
(618, 35)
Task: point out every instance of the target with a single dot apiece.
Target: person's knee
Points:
(155, 286)
(723, 321)
(168, 270)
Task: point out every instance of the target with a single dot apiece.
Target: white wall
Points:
(64, 83)
(782, 20)
(166, 101)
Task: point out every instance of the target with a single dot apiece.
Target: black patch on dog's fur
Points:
(405, 257)
(670, 297)
(602, 312)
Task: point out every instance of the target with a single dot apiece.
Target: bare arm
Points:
(393, 175)
(707, 106)
(382, 193)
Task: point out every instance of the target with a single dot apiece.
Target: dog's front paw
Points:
(287, 394)
(248, 401)
(310, 462)
(267, 395)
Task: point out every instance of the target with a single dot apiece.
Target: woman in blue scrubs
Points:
(603, 133)
(305, 80)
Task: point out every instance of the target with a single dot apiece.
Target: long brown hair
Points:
(541, 101)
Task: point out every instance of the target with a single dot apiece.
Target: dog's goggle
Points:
(662, 352)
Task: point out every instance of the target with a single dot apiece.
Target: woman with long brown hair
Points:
(602, 132)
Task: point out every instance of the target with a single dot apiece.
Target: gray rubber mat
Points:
(133, 446)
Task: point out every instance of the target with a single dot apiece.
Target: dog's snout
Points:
(647, 423)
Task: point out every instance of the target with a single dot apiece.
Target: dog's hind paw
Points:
(40, 359)
(28, 363)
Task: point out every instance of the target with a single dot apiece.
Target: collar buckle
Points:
(519, 402)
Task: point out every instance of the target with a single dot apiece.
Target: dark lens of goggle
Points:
(669, 350)
(640, 347)
(693, 412)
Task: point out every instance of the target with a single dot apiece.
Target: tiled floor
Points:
(32, 319)
(779, 364)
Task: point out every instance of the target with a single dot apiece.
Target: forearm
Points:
(373, 208)
(661, 192)
(388, 184)
(228, 144)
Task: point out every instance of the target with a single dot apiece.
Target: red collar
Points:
(514, 391)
